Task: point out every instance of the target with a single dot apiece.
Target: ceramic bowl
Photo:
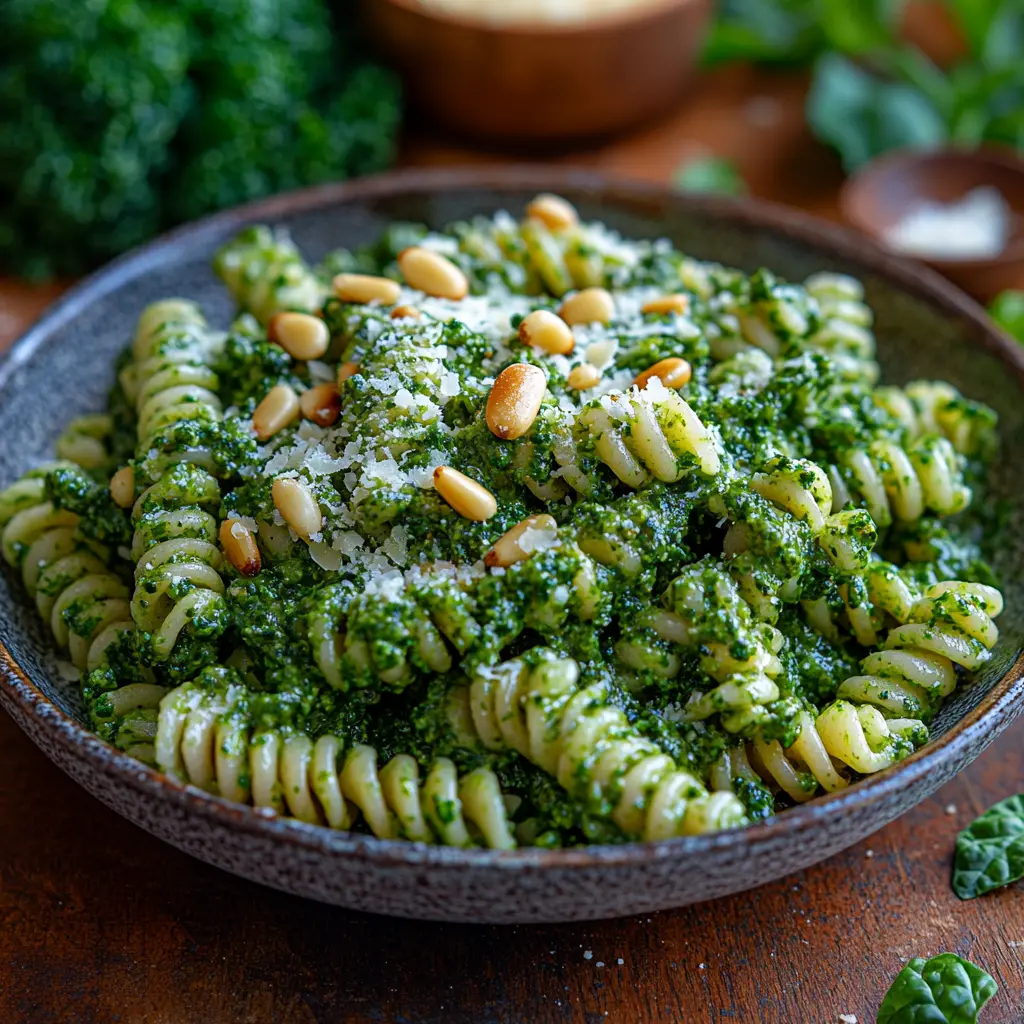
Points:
(875, 198)
(925, 328)
(537, 82)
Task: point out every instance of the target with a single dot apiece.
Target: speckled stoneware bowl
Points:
(63, 367)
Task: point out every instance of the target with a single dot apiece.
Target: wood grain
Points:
(100, 923)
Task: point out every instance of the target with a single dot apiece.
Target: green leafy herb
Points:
(872, 91)
(990, 851)
(861, 116)
(943, 990)
(711, 174)
(1008, 311)
(764, 31)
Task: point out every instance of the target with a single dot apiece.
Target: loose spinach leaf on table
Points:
(990, 852)
(943, 990)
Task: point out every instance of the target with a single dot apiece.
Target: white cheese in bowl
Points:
(974, 227)
(556, 11)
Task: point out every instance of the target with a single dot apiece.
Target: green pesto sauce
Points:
(418, 400)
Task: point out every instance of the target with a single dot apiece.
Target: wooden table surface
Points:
(99, 922)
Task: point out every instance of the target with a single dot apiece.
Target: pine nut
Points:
(365, 288)
(240, 547)
(321, 404)
(515, 399)
(299, 509)
(677, 303)
(470, 499)
(301, 335)
(543, 330)
(590, 306)
(672, 372)
(432, 273)
(508, 550)
(584, 376)
(122, 487)
(405, 313)
(275, 412)
(345, 371)
(554, 212)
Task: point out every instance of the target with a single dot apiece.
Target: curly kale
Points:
(119, 118)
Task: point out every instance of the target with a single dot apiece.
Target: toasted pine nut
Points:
(508, 550)
(276, 411)
(470, 499)
(405, 313)
(543, 330)
(122, 487)
(364, 288)
(553, 212)
(345, 371)
(672, 372)
(584, 376)
(677, 303)
(301, 335)
(430, 272)
(590, 306)
(299, 509)
(240, 547)
(321, 404)
(514, 400)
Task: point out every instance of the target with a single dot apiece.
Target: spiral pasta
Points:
(802, 489)
(266, 274)
(537, 708)
(951, 624)
(902, 483)
(206, 738)
(648, 433)
(828, 315)
(84, 603)
(704, 609)
(177, 581)
(926, 407)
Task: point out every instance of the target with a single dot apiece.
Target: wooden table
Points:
(100, 923)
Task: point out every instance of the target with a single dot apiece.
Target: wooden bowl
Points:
(875, 198)
(925, 327)
(538, 83)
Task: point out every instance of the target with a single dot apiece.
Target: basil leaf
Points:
(942, 990)
(861, 115)
(859, 27)
(990, 852)
(711, 174)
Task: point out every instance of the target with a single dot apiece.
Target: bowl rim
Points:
(865, 180)
(651, 11)
(1003, 702)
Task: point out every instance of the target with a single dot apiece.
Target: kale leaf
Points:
(119, 118)
(990, 851)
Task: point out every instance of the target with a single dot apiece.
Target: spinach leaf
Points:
(862, 116)
(711, 174)
(990, 852)
(942, 990)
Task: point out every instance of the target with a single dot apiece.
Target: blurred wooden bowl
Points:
(539, 82)
(882, 192)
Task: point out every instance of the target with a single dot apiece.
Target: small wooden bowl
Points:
(875, 198)
(538, 82)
